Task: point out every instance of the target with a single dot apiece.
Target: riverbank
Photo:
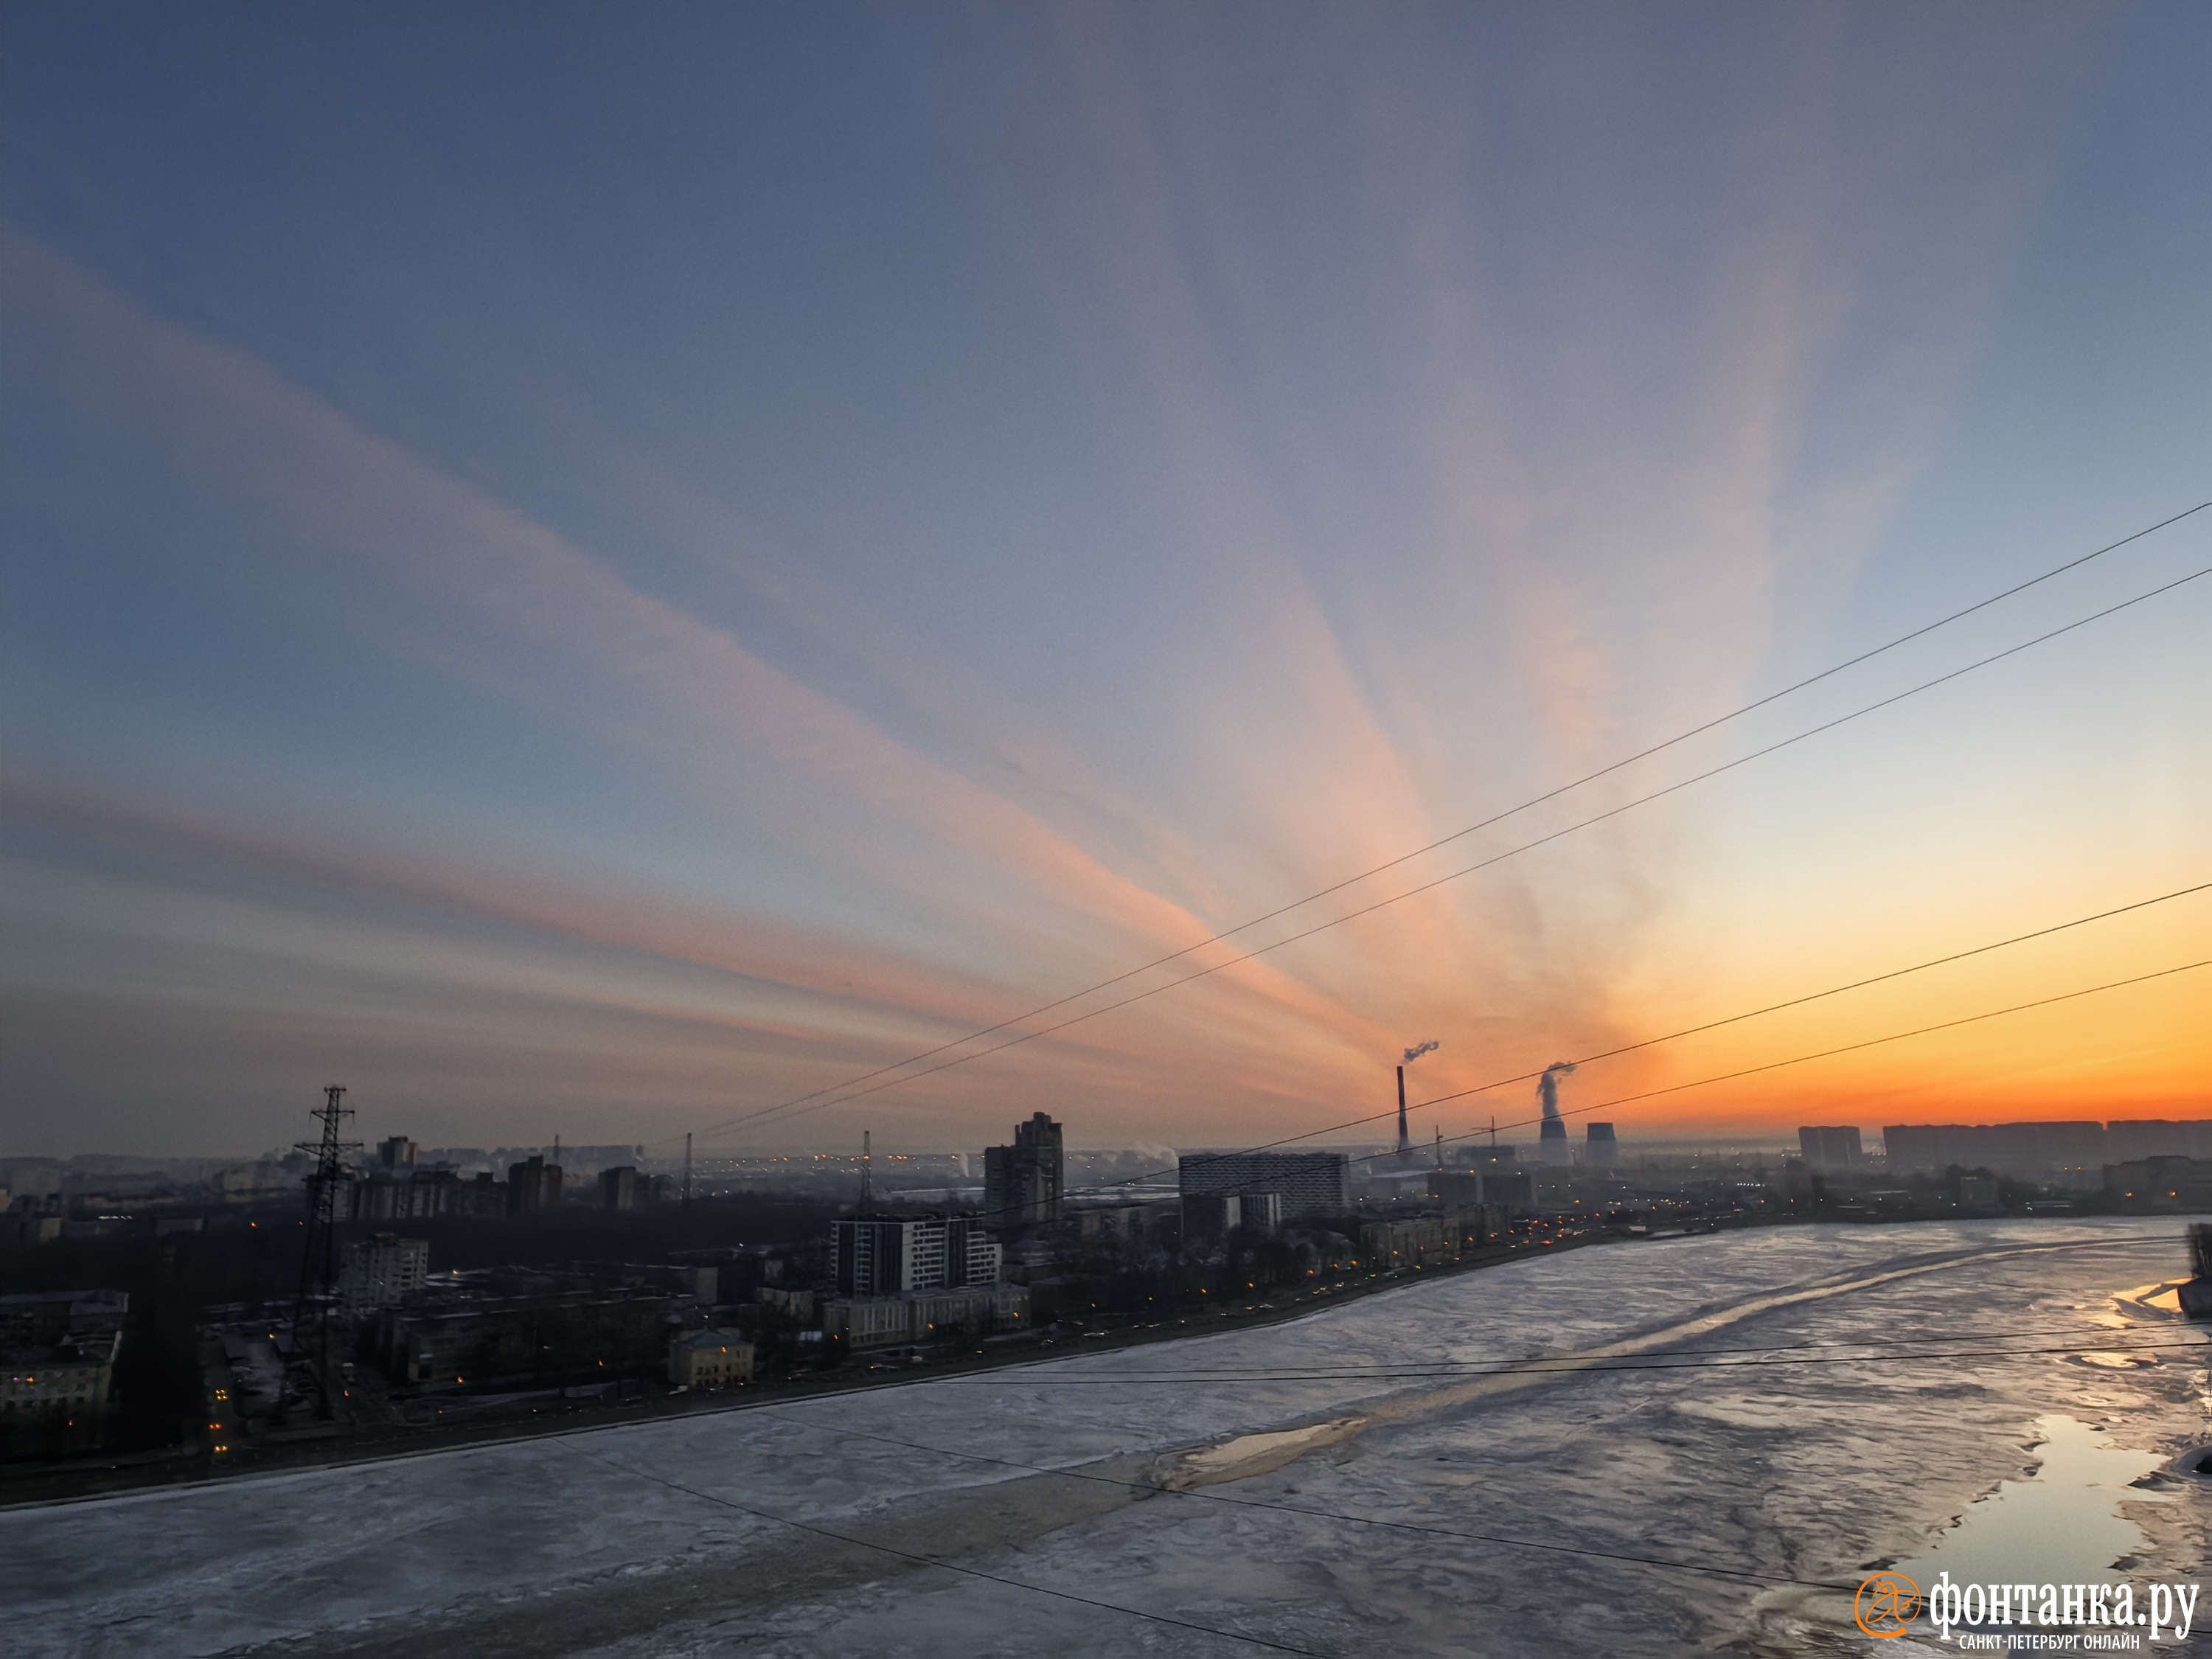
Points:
(338, 1445)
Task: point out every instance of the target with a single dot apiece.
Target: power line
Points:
(950, 1566)
(1497, 817)
(795, 1108)
(1689, 1030)
(1799, 1060)
(1724, 1077)
(1715, 1024)
(1824, 1053)
(1624, 1100)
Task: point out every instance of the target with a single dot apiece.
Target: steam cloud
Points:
(1412, 1054)
(1549, 1090)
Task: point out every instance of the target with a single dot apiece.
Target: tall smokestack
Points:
(1405, 1140)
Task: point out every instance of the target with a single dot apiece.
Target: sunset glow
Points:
(490, 628)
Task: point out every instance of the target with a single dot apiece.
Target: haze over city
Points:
(594, 570)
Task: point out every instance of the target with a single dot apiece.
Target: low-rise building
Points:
(796, 1304)
(71, 1375)
(57, 1353)
(481, 1329)
(924, 1316)
(1427, 1242)
(716, 1358)
(2160, 1184)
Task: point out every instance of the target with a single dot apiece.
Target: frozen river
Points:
(1708, 1449)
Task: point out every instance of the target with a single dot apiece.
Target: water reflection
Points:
(2063, 1526)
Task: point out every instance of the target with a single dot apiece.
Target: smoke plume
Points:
(1412, 1054)
(1549, 1090)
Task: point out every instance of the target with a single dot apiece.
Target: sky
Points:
(605, 570)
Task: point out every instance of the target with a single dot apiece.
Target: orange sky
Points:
(607, 650)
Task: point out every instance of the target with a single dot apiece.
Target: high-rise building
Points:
(1310, 1183)
(879, 1256)
(1834, 1147)
(434, 1192)
(533, 1188)
(1023, 1184)
(2034, 1148)
(618, 1187)
(382, 1271)
(397, 1153)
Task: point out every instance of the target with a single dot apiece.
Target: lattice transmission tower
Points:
(319, 1263)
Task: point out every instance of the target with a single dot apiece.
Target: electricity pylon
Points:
(318, 1264)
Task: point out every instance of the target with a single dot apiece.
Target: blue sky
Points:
(594, 570)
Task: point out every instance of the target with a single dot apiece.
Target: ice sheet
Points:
(1797, 1461)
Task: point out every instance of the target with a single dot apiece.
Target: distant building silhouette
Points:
(1217, 1215)
(1023, 1183)
(1308, 1183)
(533, 1188)
(1832, 1147)
(383, 1271)
(2005, 1148)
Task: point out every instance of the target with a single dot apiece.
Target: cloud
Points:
(598, 907)
(428, 567)
(437, 570)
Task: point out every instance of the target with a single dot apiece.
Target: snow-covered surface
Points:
(671, 1538)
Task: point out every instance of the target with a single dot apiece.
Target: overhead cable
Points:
(785, 1110)
(1497, 817)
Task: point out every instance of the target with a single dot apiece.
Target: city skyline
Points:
(698, 564)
